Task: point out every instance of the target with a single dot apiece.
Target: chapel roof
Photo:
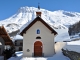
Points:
(27, 26)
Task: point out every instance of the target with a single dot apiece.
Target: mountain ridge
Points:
(24, 15)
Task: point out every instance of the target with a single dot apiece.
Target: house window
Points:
(21, 43)
(15, 43)
(38, 31)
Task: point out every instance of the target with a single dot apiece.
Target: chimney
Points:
(38, 14)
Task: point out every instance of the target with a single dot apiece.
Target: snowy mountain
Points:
(57, 19)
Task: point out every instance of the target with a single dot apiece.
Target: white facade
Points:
(47, 39)
(18, 45)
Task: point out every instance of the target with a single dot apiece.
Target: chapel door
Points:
(37, 49)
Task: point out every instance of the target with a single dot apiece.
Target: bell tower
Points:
(38, 13)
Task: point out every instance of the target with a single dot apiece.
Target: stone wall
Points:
(71, 54)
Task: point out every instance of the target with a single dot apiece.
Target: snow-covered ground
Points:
(74, 43)
(57, 19)
(71, 46)
(57, 56)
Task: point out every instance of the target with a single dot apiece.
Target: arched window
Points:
(38, 31)
(38, 37)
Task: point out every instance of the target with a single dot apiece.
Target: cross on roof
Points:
(38, 6)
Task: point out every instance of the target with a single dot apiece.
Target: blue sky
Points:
(10, 7)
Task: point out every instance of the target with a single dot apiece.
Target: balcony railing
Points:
(18, 45)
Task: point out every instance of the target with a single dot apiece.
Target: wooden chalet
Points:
(5, 36)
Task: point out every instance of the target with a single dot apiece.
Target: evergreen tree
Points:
(9, 52)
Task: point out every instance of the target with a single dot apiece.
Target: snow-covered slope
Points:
(25, 14)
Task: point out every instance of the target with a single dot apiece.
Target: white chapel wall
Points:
(47, 39)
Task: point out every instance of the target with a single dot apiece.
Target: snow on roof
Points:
(61, 30)
(25, 25)
(18, 37)
(62, 33)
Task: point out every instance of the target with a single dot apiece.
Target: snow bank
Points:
(38, 58)
(62, 35)
(74, 43)
(75, 48)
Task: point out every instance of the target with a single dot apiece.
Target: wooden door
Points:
(38, 49)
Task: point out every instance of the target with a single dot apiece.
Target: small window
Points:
(21, 43)
(38, 31)
(38, 37)
(15, 43)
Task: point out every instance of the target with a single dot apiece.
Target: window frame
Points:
(38, 31)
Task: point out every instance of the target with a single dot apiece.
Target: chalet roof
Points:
(18, 37)
(34, 21)
(5, 36)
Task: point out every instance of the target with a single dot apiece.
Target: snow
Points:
(20, 53)
(18, 37)
(57, 56)
(62, 35)
(57, 19)
(26, 14)
(61, 30)
(73, 46)
(24, 26)
(74, 43)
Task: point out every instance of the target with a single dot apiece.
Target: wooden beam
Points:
(9, 43)
(3, 35)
